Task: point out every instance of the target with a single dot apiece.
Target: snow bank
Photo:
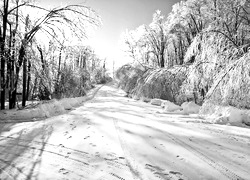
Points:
(65, 103)
(233, 114)
(51, 108)
(24, 115)
(225, 114)
(47, 108)
(136, 98)
(144, 99)
(246, 117)
(156, 102)
(229, 114)
(190, 108)
(170, 107)
(185, 108)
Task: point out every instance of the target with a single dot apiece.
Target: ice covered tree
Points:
(147, 43)
(157, 38)
(72, 20)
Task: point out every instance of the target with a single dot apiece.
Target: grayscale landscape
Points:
(125, 90)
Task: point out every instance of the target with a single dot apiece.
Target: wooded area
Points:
(200, 51)
(40, 58)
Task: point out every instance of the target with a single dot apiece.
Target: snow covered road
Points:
(112, 137)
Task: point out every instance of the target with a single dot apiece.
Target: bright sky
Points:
(117, 16)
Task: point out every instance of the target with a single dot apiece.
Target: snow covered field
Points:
(112, 137)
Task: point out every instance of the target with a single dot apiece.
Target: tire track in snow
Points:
(60, 151)
(22, 171)
(44, 144)
(55, 152)
(134, 168)
(5, 173)
(222, 169)
(231, 136)
(60, 154)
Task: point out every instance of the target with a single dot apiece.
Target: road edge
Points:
(16, 116)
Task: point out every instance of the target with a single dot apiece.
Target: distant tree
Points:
(157, 38)
(147, 44)
(134, 44)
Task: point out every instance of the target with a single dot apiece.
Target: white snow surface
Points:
(216, 114)
(185, 108)
(246, 117)
(226, 115)
(170, 107)
(112, 137)
(46, 109)
(190, 108)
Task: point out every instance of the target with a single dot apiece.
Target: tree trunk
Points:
(28, 81)
(176, 53)
(2, 76)
(1, 57)
(10, 68)
(24, 81)
(57, 86)
(41, 56)
(19, 64)
(21, 58)
(12, 98)
(8, 81)
(12, 90)
(84, 63)
(24, 59)
(181, 52)
(3, 53)
(162, 50)
(59, 65)
(34, 88)
(162, 59)
(8, 60)
(44, 93)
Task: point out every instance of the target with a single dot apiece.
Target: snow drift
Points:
(224, 114)
(170, 107)
(47, 109)
(156, 102)
(190, 108)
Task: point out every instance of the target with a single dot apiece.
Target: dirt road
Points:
(112, 137)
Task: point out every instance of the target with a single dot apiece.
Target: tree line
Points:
(39, 54)
(211, 37)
